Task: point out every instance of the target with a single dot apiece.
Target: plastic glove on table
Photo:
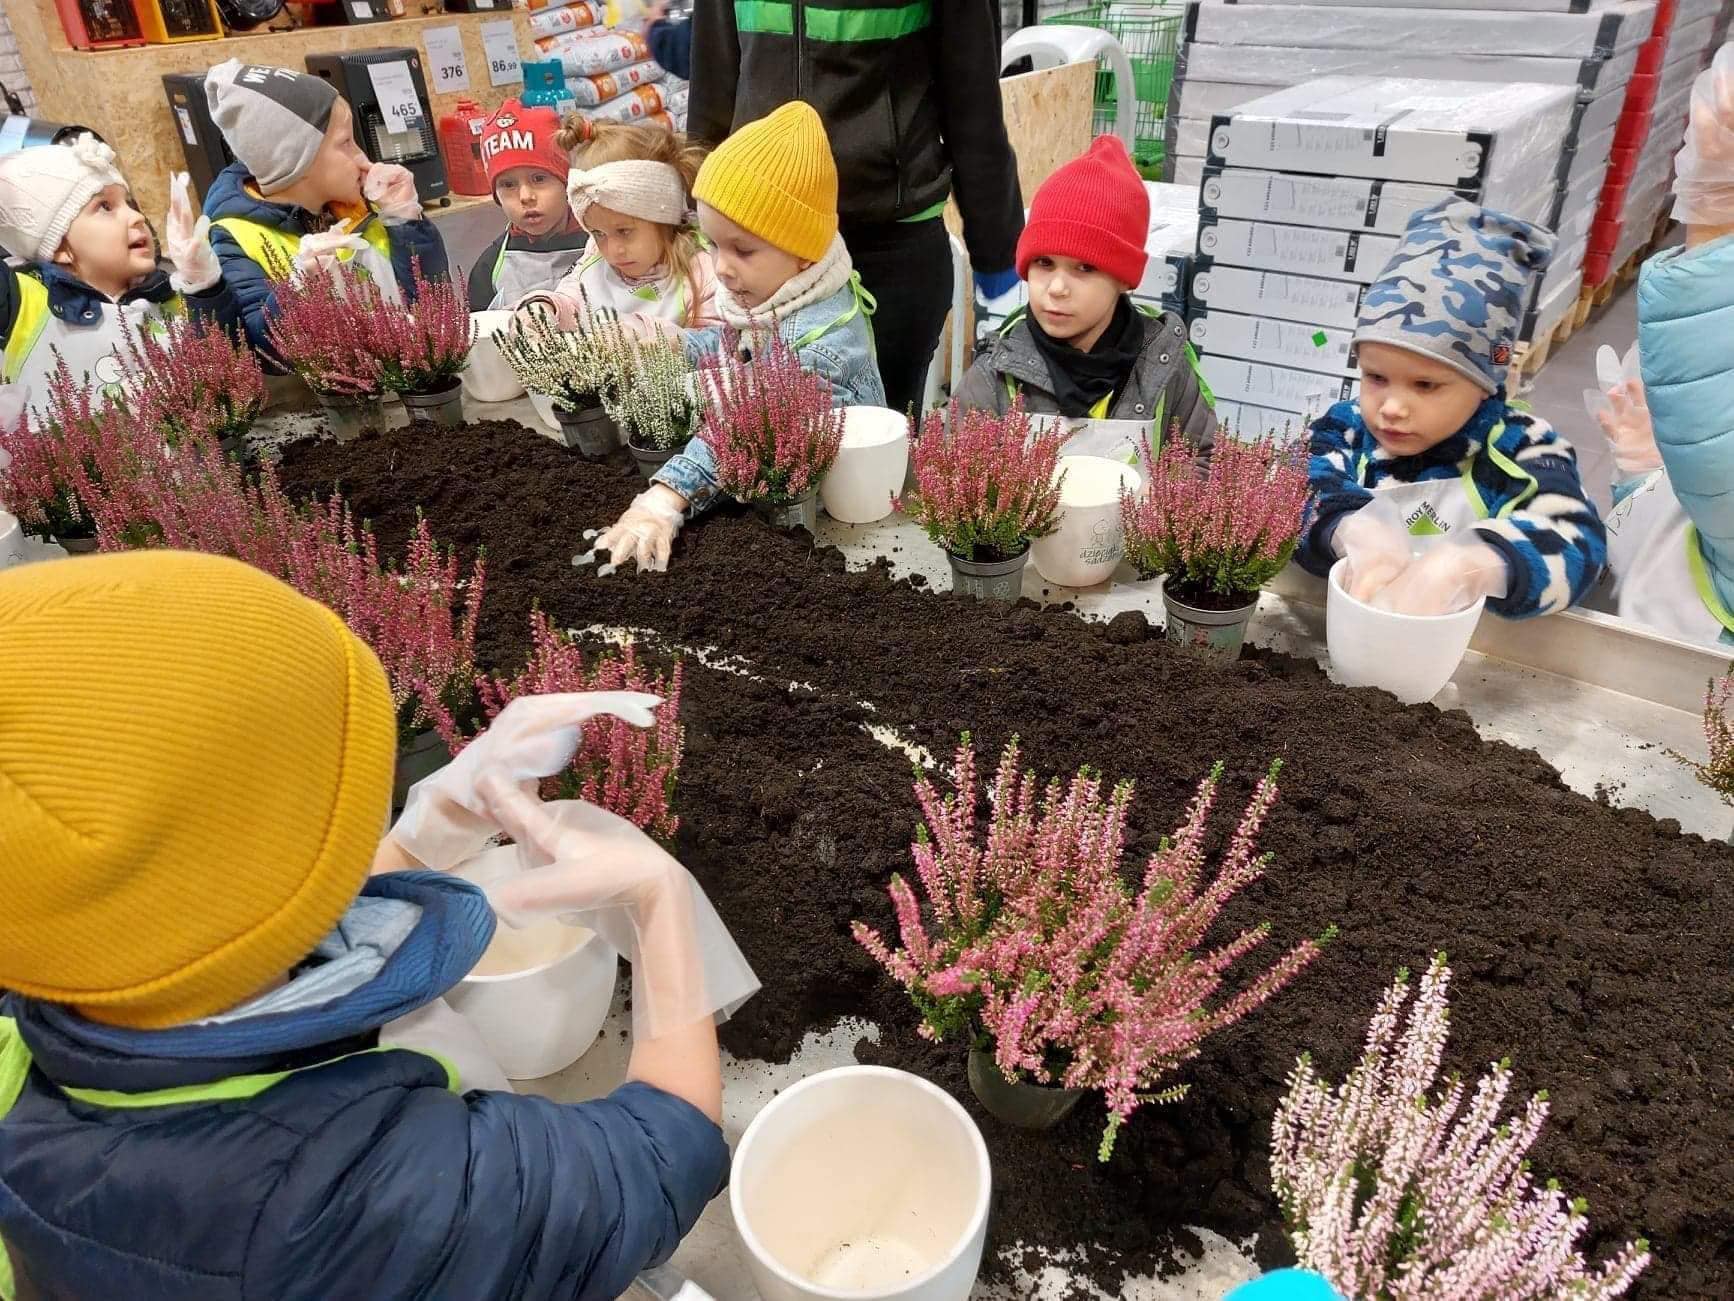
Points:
(445, 819)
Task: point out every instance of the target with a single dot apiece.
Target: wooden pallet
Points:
(1532, 356)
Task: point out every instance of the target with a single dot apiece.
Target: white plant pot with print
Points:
(866, 1183)
(1087, 546)
(487, 377)
(1410, 655)
(11, 541)
(869, 468)
(539, 995)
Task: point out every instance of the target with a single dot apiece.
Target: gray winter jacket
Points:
(1165, 384)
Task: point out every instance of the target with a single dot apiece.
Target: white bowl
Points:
(1410, 655)
(863, 1183)
(487, 377)
(1087, 547)
(870, 466)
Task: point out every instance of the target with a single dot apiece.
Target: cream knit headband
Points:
(636, 187)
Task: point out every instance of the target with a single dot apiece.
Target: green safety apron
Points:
(1434, 509)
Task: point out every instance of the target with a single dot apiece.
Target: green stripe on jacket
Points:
(777, 17)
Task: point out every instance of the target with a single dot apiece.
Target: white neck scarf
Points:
(814, 285)
(636, 187)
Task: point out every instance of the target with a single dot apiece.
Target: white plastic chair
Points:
(962, 287)
(1049, 47)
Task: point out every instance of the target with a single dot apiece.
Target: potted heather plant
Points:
(322, 331)
(423, 346)
(1219, 535)
(773, 429)
(1060, 976)
(195, 380)
(985, 489)
(1717, 771)
(659, 409)
(1391, 1186)
(579, 371)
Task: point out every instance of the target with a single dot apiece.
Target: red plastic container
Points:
(460, 134)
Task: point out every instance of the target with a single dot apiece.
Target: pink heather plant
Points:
(1226, 532)
(423, 345)
(1718, 771)
(323, 330)
(1035, 944)
(984, 484)
(1394, 1192)
(195, 380)
(627, 770)
(771, 424)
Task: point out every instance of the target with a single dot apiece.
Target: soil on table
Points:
(1590, 944)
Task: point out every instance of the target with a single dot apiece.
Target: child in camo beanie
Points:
(1432, 487)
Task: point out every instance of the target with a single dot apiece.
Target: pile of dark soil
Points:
(1591, 944)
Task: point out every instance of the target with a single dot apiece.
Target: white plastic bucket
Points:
(863, 1183)
(539, 995)
(11, 541)
(487, 377)
(870, 466)
(1087, 547)
(1410, 655)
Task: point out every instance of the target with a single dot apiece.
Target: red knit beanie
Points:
(522, 137)
(1094, 209)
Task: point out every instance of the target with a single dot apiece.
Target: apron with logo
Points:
(1660, 577)
(1435, 510)
(92, 350)
(1096, 435)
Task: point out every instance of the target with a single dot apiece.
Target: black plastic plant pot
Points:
(1022, 1105)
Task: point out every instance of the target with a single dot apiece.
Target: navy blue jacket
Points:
(671, 46)
(414, 242)
(359, 1173)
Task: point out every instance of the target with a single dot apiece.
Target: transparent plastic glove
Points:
(1704, 167)
(390, 188)
(187, 240)
(1446, 578)
(445, 820)
(1620, 409)
(1376, 545)
(319, 252)
(644, 534)
(591, 868)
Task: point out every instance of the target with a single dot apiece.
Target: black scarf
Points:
(1082, 379)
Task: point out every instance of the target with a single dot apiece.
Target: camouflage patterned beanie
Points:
(1457, 287)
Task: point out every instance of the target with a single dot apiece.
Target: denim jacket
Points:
(833, 339)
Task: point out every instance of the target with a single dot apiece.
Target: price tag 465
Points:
(399, 104)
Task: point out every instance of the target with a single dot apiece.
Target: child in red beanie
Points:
(1082, 349)
(542, 240)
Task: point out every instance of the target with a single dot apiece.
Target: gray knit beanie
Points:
(273, 119)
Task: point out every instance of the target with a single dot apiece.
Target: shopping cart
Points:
(1150, 35)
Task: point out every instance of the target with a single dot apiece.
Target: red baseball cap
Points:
(517, 136)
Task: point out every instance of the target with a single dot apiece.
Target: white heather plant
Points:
(659, 408)
(1396, 1192)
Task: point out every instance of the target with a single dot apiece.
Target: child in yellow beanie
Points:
(196, 1093)
(767, 202)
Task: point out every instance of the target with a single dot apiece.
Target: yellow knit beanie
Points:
(776, 178)
(195, 770)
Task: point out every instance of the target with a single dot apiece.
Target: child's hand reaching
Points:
(187, 241)
(390, 188)
(1377, 547)
(1620, 409)
(1446, 578)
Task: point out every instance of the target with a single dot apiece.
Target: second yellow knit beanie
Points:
(776, 178)
(195, 771)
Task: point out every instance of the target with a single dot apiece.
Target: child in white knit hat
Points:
(631, 189)
(302, 192)
(91, 269)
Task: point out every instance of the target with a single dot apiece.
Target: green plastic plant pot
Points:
(1020, 1104)
(989, 580)
(1218, 632)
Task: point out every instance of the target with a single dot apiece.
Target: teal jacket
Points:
(1686, 342)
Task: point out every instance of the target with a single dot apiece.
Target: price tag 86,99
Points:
(501, 44)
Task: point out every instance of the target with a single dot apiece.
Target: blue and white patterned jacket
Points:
(1552, 540)
(832, 340)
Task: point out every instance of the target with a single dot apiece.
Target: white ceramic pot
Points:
(1410, 655)
(1088, 545)
(11, 541)
(545, 410)
(863, 1183)
(539, 995)
(487, 377)
(870, 466)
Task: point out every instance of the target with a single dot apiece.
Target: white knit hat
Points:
(42, 190)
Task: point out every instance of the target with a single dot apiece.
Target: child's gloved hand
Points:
(187, 241)
(445, 819)
(1617, 403)
(1377, 547)
(1449, 577)
(644, 534)
(1704, 167)
(320, 251)
(390, 188)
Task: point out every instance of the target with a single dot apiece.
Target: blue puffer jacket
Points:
(412, 243)
(283, 1155)
(1686, 342)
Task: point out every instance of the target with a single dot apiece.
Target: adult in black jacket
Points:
(909, 93)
